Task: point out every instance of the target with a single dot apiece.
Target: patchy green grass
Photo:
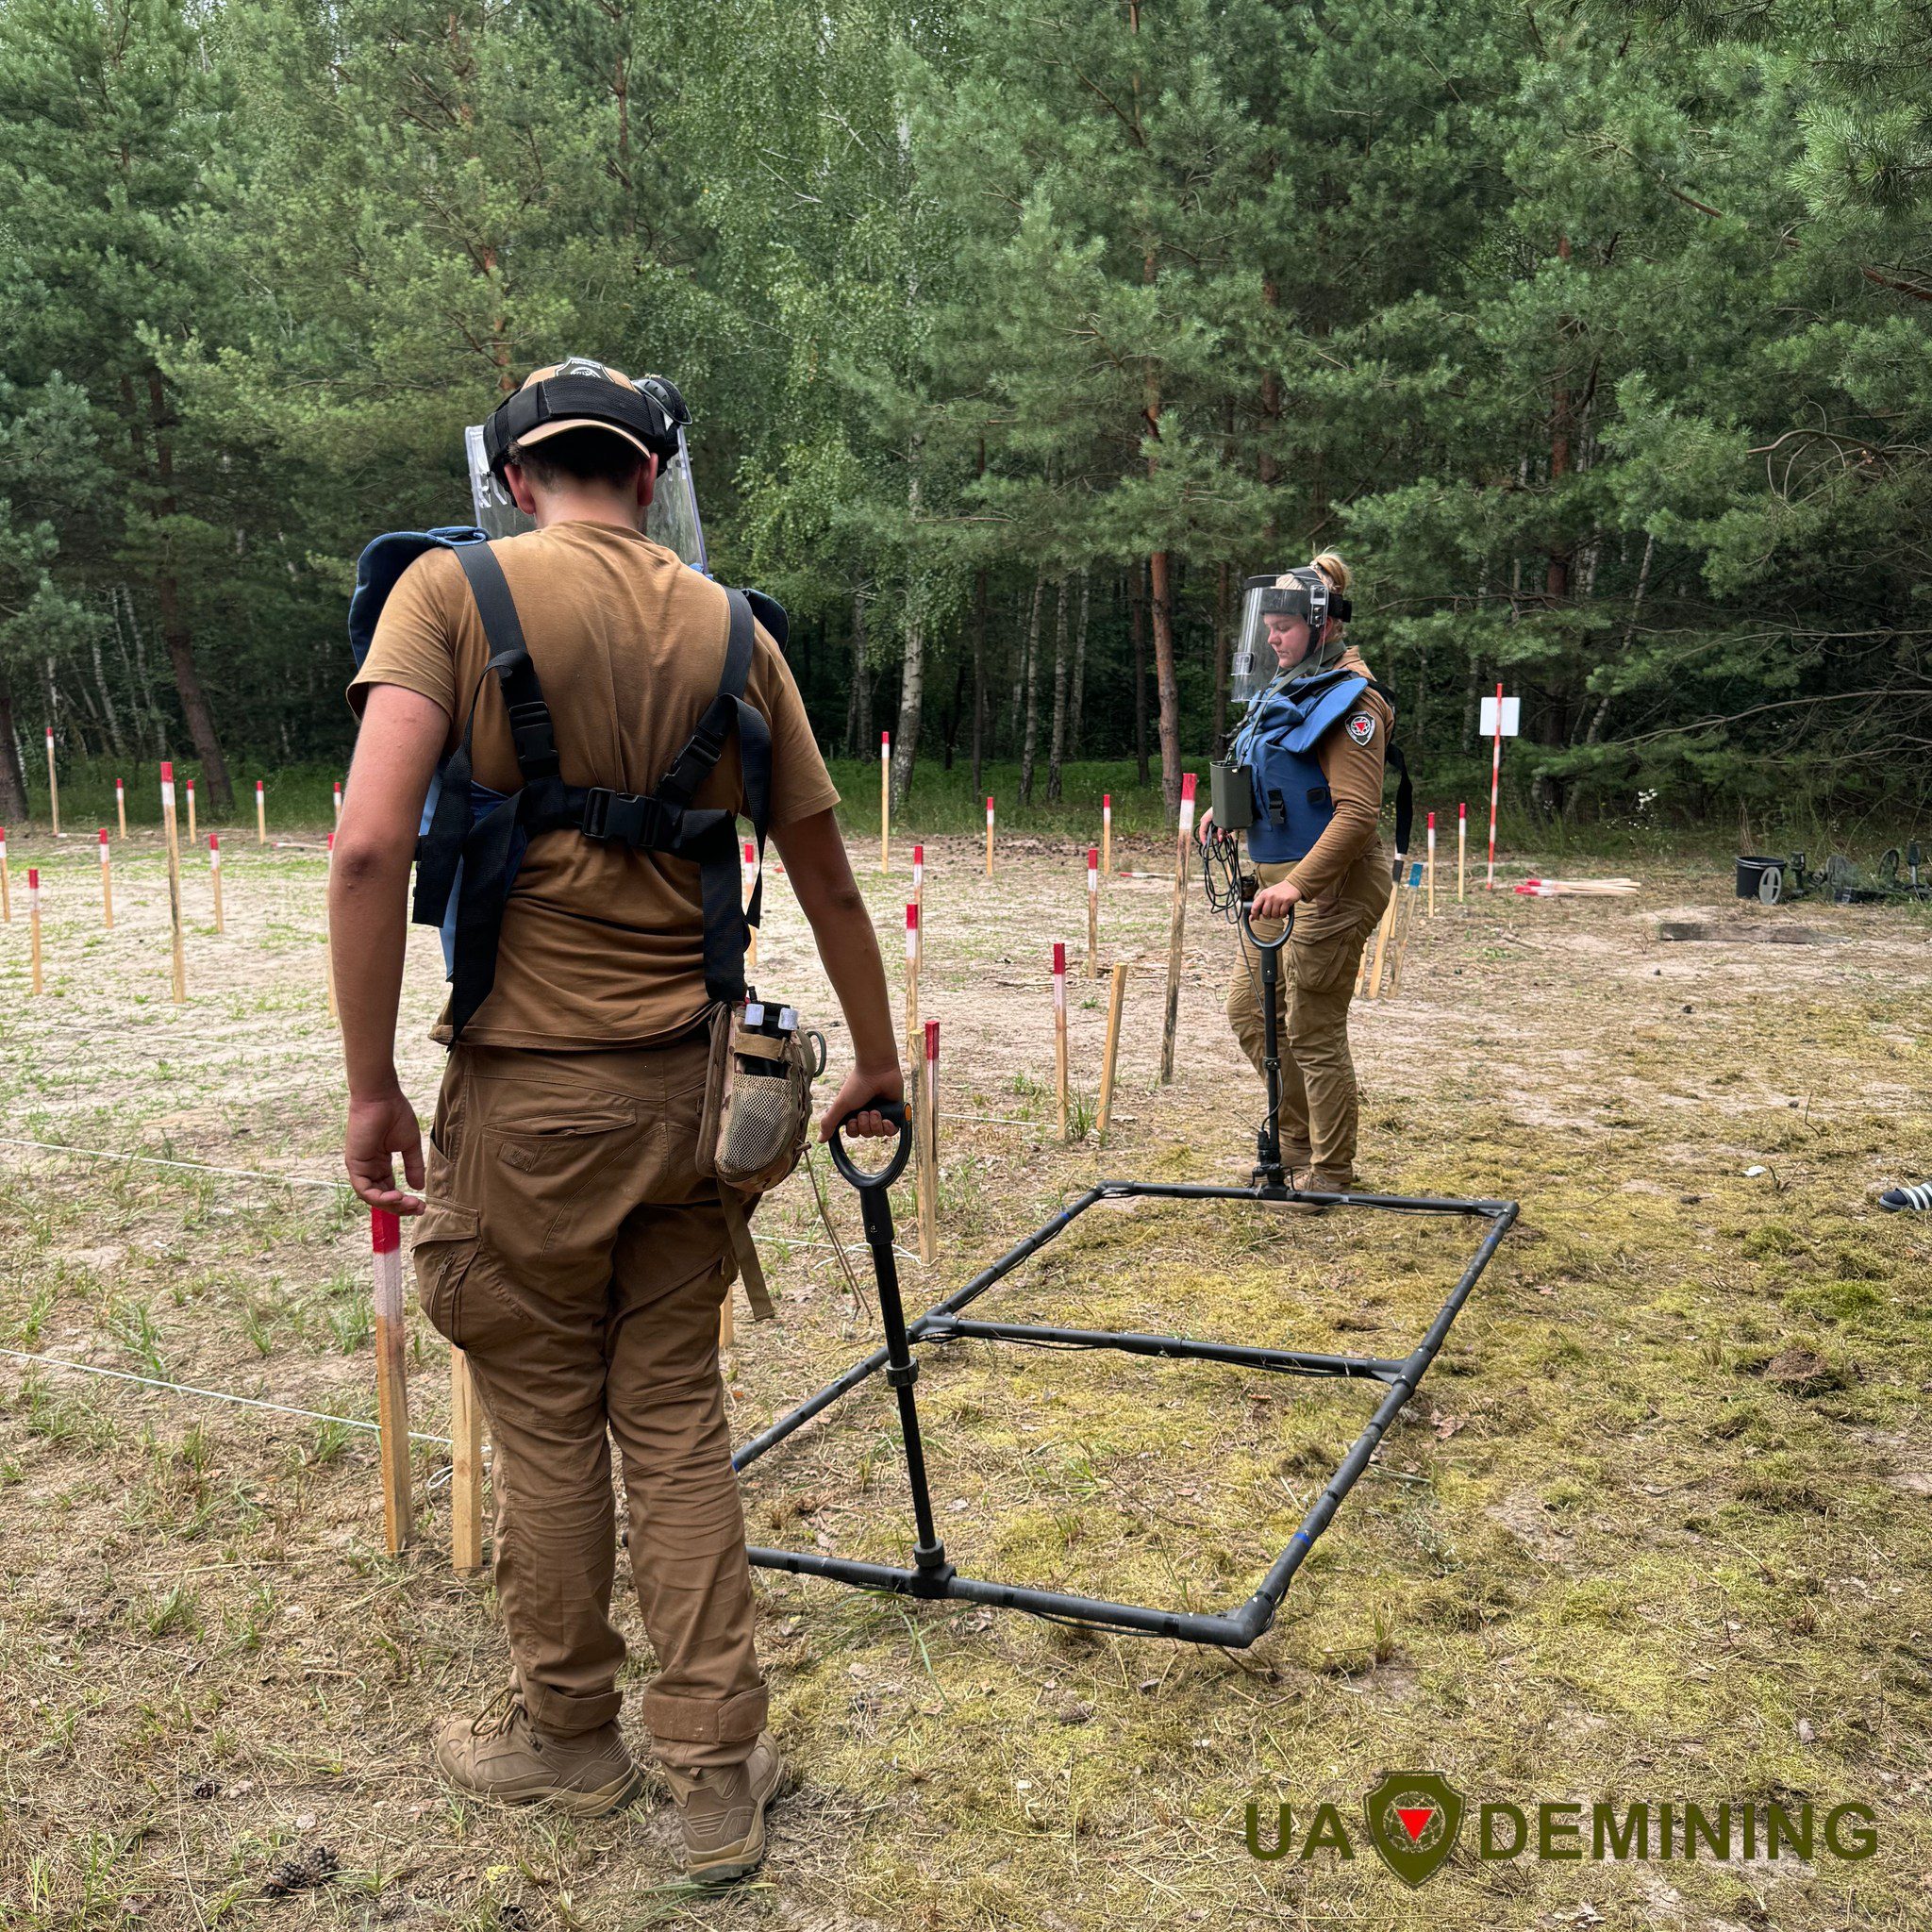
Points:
(1654, 1527)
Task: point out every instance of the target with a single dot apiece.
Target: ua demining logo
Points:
(1414, 1818)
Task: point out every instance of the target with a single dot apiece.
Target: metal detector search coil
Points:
(932, 1574)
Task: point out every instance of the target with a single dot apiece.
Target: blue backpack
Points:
(472, 838)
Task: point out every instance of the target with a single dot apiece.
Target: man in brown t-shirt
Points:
(567, 1241)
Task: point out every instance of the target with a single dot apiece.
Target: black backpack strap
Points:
(1405, 796)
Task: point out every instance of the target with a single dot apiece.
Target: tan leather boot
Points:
(724, 1812)
(502, 1756)
(1318, 1180)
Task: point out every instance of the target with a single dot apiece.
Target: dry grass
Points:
(1656, 1527)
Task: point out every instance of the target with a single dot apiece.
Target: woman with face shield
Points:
(1312, 745)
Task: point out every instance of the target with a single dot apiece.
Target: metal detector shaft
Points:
(1267, 1143)
(902, 1371)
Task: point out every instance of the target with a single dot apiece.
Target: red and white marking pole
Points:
(885, 798)
(1432, 863)
(1175, 927)
(912, 980)
(214, 874)
(1059, 1031)
(172, 831)
(1461, 848)
(193, 834)
(120, 805)
(52, 784)
(392, 1384)
(33, 914)
(919, 897)
(1094, 913)
(1495, 786)
(5, 883)
(751, 879)
(260, 814)
(338, 801)
(929, 1149)
(989, 834)
(1107, 833)
(107, 885)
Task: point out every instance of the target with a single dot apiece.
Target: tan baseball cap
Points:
(578, 365)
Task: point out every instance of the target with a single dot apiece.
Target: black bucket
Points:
(1751, 876)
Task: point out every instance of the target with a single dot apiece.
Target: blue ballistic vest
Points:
(472, 839)
(1276, 741)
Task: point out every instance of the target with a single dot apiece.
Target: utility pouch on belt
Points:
(757, 1112)
(1231, 785)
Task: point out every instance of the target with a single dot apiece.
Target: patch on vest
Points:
(1362, 727)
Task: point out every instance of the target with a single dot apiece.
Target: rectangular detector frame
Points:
(1237, 1627)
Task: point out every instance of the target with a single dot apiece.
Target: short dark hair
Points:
(578, 455)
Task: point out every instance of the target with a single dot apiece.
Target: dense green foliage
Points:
(1596, 335)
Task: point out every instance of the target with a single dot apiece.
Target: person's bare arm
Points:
(402, 738)
(815, 861)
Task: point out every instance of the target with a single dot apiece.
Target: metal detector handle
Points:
(1268, 945)
(894, 1113)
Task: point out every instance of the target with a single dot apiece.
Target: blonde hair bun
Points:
(1339, 574)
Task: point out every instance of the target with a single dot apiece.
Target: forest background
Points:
(1016, 333)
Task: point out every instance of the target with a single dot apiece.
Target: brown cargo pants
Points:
(572, 1250)
(1319, 1097)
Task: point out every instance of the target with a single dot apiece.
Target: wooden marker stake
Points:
(1092, 912)
(1432, 865)
(1461, 847)
(1386, 927)
(466, 1466)
(1115, 1001)
(172, 831)
(885, 799)
(52, 784)
(1059, 1031)
(106, 885)
(33, 914)
(989, 834)
(919, 897)
(1107, 833)
(260, 814)
(1176, 922)
(922, 1184)
(1404, 928)
(120, 805)
(214, 874)
(329, 958)
(194, 836)
(392, 1384)
(929, 1149)
(5, 883)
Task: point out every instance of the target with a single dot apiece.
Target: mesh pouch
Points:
(757, 1115)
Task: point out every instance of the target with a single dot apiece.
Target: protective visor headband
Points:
(654, 412)
(1309, 596)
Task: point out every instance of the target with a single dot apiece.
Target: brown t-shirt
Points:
(602, 946)
(1351, 752)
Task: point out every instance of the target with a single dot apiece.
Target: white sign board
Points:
(1512, 717)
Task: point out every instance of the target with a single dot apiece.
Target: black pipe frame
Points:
(934, 1578)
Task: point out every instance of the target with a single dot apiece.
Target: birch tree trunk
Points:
(1079, 667)
(1029, 752)
(1057, 755)
(913, 678)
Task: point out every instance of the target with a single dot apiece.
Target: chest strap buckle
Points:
(628, 818)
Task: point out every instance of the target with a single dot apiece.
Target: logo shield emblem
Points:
(1414, 1818)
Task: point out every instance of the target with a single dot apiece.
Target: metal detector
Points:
(932, 1574)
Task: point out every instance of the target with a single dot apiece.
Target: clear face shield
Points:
(671, 520)
(1278, 614)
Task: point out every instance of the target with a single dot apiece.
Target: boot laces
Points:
(500, 1714)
